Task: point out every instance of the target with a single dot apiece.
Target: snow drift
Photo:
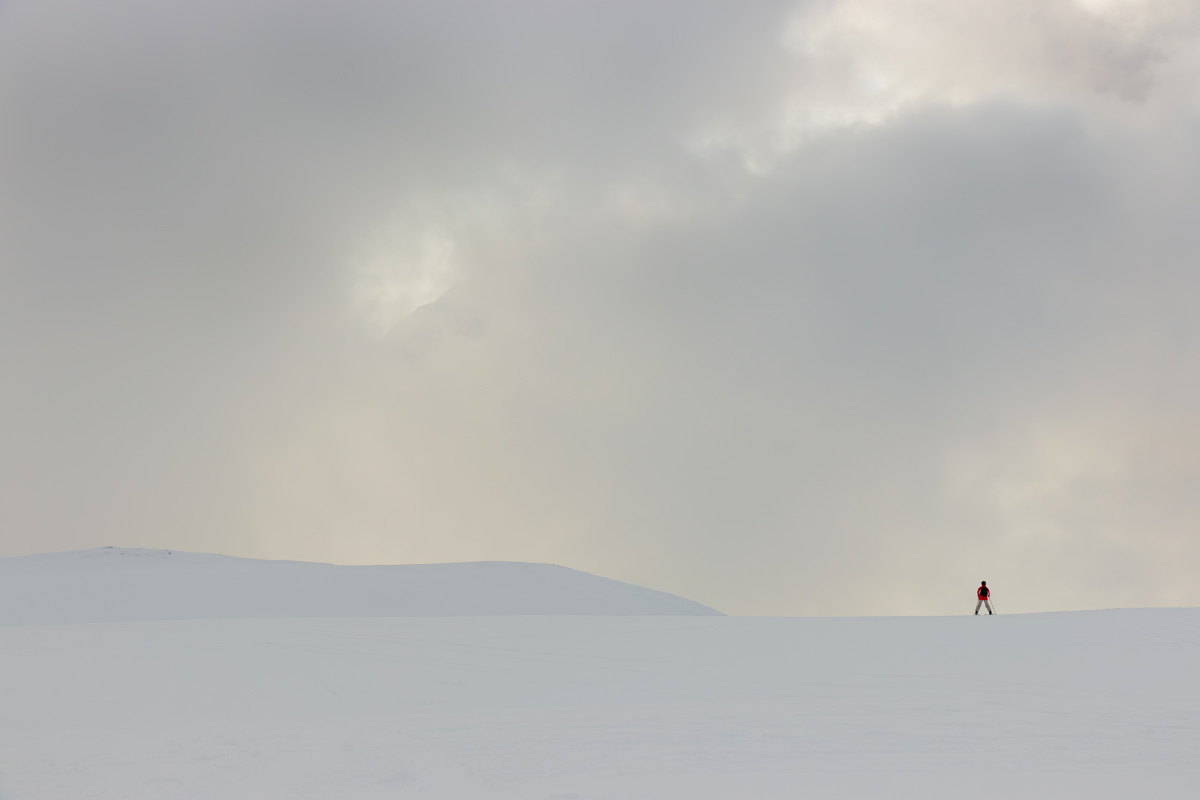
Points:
(124, 585)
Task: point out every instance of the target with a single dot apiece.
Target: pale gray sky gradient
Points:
(823, 308)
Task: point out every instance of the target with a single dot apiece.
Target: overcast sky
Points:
(831, 307)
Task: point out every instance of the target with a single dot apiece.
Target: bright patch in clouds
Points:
(412, 272)
(856, 63)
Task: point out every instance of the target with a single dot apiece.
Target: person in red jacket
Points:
(983, 593)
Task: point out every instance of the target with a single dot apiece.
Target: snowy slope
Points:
(1087, 704)
(119, 585)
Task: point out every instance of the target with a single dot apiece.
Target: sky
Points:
(820, 308)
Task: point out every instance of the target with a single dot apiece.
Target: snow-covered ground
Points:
(1101, 704)
(113, 584)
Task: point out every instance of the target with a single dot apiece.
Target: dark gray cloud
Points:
(790, 309)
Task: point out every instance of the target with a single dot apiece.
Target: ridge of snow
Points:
(115, 584)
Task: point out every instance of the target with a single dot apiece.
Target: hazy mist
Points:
(821, 308)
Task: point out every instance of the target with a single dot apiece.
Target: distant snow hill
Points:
(112, 584)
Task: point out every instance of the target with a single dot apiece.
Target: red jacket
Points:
(982, 592)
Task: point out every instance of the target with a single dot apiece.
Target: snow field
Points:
(113, 584)
(1103, 704)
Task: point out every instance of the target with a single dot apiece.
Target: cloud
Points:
(856, 63)
(831, 308)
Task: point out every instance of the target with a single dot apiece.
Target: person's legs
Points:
(987, 603)
(977, 605)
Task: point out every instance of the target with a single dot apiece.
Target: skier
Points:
(983, 593)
